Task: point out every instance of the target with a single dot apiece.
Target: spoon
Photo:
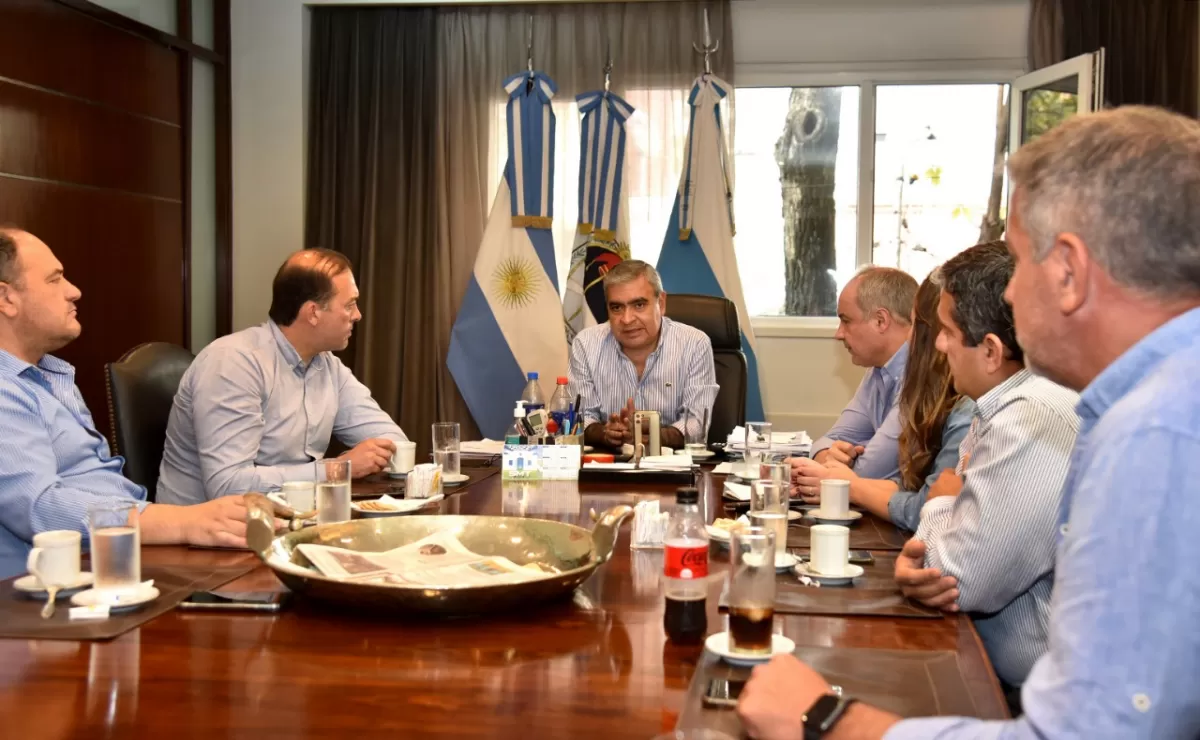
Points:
(48, 609)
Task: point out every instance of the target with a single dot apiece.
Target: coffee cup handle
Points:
(31, 562)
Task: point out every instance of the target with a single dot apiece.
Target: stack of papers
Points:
(794, 443)
(482, 448)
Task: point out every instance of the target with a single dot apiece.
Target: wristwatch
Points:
(824, 714)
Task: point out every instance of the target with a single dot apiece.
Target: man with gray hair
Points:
(1105, 232)
(641, 360)
(874, 322)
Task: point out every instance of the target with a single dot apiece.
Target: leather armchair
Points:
(717, 317)
(141, 389)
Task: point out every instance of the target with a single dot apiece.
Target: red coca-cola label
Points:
(685, 562)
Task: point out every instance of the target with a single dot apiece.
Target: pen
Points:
(578, 417)
(570, 419)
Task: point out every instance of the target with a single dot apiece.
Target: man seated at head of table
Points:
(640, 359)
(874, 325)
(934, 419)
(257, 407)
(53, 462)
(1105, 231)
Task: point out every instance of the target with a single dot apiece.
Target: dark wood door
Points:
(91, 161)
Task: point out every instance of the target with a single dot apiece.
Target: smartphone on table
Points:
(243, 601)
(723, 692)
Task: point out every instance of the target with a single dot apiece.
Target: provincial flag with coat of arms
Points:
(510, 322)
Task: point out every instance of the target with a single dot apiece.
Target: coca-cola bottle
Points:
(685, 565)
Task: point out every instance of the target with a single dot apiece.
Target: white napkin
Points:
(789, 441)
(649, 525)
(737, 491)
(667, 462)
(483, 447)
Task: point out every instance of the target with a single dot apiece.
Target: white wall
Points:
(806, 375)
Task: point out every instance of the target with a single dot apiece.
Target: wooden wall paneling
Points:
(49, 45)
(224, 170)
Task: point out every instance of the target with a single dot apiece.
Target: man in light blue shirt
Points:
(53, 462)
(1105, 231)
(874, 322)
(257, 407)
(639, 359)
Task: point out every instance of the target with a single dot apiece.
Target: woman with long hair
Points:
(934, 419)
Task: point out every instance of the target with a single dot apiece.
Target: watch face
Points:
(821, 715)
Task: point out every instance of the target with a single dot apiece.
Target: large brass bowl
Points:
(571, 552)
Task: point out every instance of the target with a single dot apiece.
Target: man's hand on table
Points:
(925, 585)
(807, 476)
(841, 452)
(220, 522)
(369, 456)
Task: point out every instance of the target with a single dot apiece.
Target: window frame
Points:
(867, 77)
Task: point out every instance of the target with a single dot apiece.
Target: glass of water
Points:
(333, 491)
(769, 510)
(695, 435)
(116, 544)
(445, 446)
(758, 444)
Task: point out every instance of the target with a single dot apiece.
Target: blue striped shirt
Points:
(1124, 652)
(679, 375)
(872, 419)
(997, 536)
(250, 416)
(53, 462)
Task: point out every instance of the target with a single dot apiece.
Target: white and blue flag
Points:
(697, 255)
(602, 237)
(510, 322)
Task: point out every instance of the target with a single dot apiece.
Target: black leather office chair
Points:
(141, 389)
(717, 317)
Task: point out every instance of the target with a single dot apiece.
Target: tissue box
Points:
(540, 462)
(423, 481)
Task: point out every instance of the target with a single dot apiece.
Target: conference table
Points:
(596, 665)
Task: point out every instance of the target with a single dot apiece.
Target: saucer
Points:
(400, 506)
(718, 644)
(702, 455)
(397, 476)
(785, 561)
(116, 601)
(844, 520)
(32, 587)
(455, 479)
(851, 572)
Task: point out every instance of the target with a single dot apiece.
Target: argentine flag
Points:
(697, 255)
(602, 238)
(510, 322)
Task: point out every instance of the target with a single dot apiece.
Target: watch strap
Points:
(825, 712)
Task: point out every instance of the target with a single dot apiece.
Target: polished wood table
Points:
(597, 666)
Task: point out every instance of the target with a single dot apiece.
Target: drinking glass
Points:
(333, 491)
(769, 510)
(758, 443)
(695, 435)
(116, 544)
(751, 591)
(775, 468)
(446, 447)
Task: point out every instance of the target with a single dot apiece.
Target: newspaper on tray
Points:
(437, 560)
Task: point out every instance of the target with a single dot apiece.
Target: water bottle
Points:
(560, 405)
(532, 396)
(685, 567)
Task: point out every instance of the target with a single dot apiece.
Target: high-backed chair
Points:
(141, 389)
(717, 317)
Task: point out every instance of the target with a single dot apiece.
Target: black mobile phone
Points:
(861, 557)
(250, 601)
(722, 692)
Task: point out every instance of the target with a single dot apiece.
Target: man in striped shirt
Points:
(641, 360)
(993, 530)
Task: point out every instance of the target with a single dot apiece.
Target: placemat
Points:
(869, 533)
(873, 593)
(911, 683)
(21, 616)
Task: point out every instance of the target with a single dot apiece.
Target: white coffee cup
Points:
(830, 549)
(54, 558)
(835, 497)
(404, 458)
(301, 495)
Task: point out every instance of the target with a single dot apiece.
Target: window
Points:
(814, 201)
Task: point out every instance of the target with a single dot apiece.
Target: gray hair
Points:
(8, 256)
(887, 288)
(627, 271)
(1127, 182)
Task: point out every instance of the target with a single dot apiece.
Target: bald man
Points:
(257, 407)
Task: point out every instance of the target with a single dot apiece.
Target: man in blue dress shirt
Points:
(1105, 232)
(257, 407)
(53, 462)
(874, 323)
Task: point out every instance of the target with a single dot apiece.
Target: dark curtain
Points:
(370, 189)
(1150, 45)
